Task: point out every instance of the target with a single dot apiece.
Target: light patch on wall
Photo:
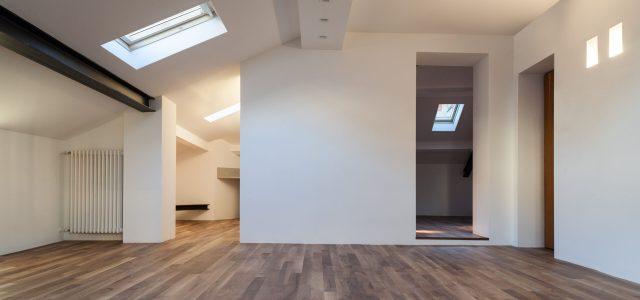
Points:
(615, 40)
(447, 117)
(592, 52)
(223, 113)
(166, 37)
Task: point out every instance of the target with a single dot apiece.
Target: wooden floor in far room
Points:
(206, 261)
(445, 228)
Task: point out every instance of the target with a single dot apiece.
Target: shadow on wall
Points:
(442, 191)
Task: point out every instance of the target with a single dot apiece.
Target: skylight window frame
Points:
(453, 115)
(206, 14)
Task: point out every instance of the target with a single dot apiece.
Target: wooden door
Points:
(548, 160)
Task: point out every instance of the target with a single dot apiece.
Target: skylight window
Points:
(223, 113)
(447, 117)
(167, 27)
(167, 36)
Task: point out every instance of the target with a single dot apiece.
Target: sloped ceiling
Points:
(36, 100)
(205, 78)
(252, 27)
(443, 85)
(189, 77)
(208, 95)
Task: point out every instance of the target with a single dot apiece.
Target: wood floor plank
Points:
(206, 261)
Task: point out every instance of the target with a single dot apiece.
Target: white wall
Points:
(329, 155)
(31, 183)
(596, 140)
(106, 136)
(482, 162)
(149, 174)
(197, 182)
(442, 191)
(530, 158)
(30, 194)
(109, 135)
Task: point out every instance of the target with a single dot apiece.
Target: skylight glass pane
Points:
(165, 24)
(447, 117)
(167, 27)
(446, 112)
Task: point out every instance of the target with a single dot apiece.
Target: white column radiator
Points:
(93, 191)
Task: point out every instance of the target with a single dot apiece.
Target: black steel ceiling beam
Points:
(29, 41)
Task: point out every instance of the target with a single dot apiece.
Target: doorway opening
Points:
(208, 158)
(535, 174)
(444, 146)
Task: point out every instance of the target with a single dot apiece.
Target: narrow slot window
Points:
(615, 40)
(592, 52)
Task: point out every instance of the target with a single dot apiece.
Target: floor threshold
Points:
(453, 238)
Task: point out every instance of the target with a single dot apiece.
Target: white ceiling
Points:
(323, 24)
(205, 78)
(189, 78)
(39, 101)
(504, 17)
(206, 96)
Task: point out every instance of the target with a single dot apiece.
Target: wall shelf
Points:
(228, 173)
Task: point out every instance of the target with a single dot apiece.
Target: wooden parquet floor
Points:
(206, 261)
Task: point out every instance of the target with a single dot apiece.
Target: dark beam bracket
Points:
(29, 41)
(468, 167)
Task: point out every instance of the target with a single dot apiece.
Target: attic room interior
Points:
(411, 149)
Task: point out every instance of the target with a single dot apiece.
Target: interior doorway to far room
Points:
(444, 147)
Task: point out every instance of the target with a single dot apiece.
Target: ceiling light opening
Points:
(324, 37)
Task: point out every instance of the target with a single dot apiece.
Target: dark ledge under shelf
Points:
(192, 207)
